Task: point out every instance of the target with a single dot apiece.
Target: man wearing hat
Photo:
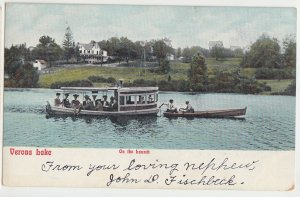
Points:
(171, 107)
(66, 101)
(57, 101)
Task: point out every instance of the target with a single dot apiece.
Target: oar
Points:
(160, 109)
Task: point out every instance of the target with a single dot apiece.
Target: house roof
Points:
(42, 61)
(87, 46)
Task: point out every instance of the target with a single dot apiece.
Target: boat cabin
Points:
(130, 100)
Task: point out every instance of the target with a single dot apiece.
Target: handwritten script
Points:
(214, 171)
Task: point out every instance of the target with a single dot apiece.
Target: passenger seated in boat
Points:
(94, 100)
(87, 104)
(188, 109)
(171, 108)
(57, 101)
(66, 101)
(150, 99)
(105, 103)
(141, 100)
(111, 101)
(99, 106)
(75, 103)
(97, 101)
(114, 106)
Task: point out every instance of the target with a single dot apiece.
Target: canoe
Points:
(225, 113)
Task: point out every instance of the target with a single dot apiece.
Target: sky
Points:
(184, 25)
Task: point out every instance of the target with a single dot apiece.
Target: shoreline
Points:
(160, 91)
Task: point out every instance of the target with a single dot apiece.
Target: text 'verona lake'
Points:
(269, 124)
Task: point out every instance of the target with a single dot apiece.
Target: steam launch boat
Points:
(112, 101)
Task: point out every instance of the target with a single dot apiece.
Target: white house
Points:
(31, 48)
(170, 56)
(40, 64)
(212, 44)
(235, 47)
(92, 53)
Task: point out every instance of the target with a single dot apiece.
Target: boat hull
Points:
(228, 113)
(71, 111)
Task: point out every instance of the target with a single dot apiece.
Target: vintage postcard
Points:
(149, 96)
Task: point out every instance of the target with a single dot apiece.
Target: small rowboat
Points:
(226, 113)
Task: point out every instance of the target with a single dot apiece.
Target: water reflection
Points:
(141, 121)
(269, 124)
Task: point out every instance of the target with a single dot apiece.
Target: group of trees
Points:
(266, 52)
(18, 59)
(124, 49)
(271, 59)
(20, 72)
(219, 53)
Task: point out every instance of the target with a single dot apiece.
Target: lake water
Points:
(268, 125)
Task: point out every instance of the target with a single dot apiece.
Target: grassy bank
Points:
(277, 86)
(130, 73)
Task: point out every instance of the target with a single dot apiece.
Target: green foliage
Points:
(289, 55)
(24, 76)
(268, 73)
(14, 56)
(217, 52)
(264, 52)
(48, 50)
(165, 66)
(189, 52)
(100, 79)
(291, 89)
(68, 45)
(178, 53)
(77, 83)
(21, 73)
(238, 53)
(198, 71)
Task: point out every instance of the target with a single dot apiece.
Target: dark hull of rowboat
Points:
(227, 113)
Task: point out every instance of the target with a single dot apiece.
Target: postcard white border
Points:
(93, 192)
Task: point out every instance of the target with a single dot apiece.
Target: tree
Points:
(161, 48)
(289, 55)
(48, 50)
(198, 72)
(68, 44)
(21, 73)
(217, 52)
(238, 53)
(178, 53)
(15, 54)
(188, 53)
(264, 52)
(126, 49)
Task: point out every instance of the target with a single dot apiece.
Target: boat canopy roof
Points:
(123, 89)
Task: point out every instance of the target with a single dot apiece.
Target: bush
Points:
(77, 83)
(110, 80)
(99, 79)
(268, 73)
(140, 82)
(24, 76)
(290, 90)
(165, 66)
